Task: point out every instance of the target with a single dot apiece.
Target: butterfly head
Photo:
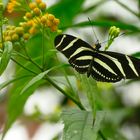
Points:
(97, 46)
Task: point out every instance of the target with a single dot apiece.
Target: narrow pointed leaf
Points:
(19, 98)
(106, 23)
(5, 58)
(6, 83)
(90, 89)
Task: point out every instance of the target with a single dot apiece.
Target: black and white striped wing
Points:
(78, 52)
(101, 65)
(112, 67)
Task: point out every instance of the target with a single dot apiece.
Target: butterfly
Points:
(104, 66)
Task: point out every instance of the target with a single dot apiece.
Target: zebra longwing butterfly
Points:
(103, 66)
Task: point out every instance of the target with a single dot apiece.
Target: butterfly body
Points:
(103, 66)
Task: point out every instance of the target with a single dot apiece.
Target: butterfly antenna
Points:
(93, 30)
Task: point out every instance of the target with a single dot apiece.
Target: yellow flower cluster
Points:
(35, 19)
(38, 17)
(13, 34)
(12, 5)
(46, 20)
(49, 20)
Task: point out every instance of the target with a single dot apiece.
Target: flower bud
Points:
(38, 1)
(28, 15)
(50, 17)
(43, 19)
(15, 37)
(26, 36)
(54, 28)
(114, 31)
(42, 6)
(37, 11)
(7, 38)
(32, 5)
(56, 21)
(32, 30)
(19, 30)
(11, 32)
(49, 23)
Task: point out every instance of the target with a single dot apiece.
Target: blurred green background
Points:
(42, 110)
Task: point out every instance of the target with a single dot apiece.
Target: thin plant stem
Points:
(59, 89)
(52, 83)
(67, 79)
(139, 7)
(43, 49)
(1, 31)
(22, 66)
(30, 59)
(101, 134)
(62, 91)
(1, 28)
(21, 55)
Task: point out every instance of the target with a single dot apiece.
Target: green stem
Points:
(19, 54)
(1, 30)
(59, 89)
(101, 134)
(30, 59)
(139, 6)
(62, 91)
(109, 43)
(52, 83)
(23, 66)
(43, 49)
(67, 79)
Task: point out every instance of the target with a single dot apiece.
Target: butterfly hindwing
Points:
(101, 65)
(104, 69)
(128, 65)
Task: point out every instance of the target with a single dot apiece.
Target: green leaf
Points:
(94, 6)
(113, 121)
(78, 125)
(6, 83)
(90, 89)
(116, 116)
(5, 58)
(137, 54)
(16, 104)
(106, 23)
(19, 98)
(68, 81)
(33, 82)
(21, 94)
(66, 10)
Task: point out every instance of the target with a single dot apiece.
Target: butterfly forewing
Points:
(101, 65)
(78, 52)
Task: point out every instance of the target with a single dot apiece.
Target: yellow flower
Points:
(12, 5)
(32, 5)
(33, 30)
